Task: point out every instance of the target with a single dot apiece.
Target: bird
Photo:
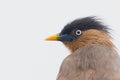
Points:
(93, 55)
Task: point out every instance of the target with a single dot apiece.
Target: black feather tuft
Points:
(84, 24)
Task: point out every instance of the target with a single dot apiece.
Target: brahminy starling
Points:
(93, 55)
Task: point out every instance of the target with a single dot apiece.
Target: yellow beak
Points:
(52, 37)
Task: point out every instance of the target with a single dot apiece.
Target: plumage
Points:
(84, 24)
(93, 55)
(91, 62)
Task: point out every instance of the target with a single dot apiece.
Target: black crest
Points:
(84, 24)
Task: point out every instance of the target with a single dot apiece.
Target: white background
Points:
(24, 55)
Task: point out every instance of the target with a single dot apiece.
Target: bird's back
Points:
(92, 62)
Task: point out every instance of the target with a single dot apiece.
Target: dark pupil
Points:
(78, 32)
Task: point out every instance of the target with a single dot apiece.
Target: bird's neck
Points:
(90, 37)
(96, 56)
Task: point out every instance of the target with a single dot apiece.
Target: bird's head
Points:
(82, 32)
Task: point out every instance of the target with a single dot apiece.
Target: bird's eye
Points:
(78, 32)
